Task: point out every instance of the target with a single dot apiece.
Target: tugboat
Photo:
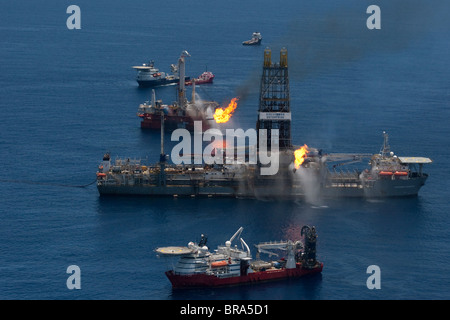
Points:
(255, 40)
(205, 77)
(182, 113)
(149, 76)
(227, 265)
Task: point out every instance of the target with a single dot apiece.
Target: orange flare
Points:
(300, 156)
(223, 115)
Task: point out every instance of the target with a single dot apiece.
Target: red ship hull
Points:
(198, 81)
(206, 77)
(204, 280)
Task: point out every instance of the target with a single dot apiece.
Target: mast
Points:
(193, 91)
(162, 156)
(385, 149)
(182, 75)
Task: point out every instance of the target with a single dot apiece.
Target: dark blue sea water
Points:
(69, 96)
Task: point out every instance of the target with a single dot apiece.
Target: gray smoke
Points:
(318, 41)
(310, 184)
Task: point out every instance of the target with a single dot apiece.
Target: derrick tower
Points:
(274, 101)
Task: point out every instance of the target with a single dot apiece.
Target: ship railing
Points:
(341, 175)
(272, 243)
(127, 162)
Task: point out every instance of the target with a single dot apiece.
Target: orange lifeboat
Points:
(401, 173)
(100, 174)
(386, 173)
(217, 264)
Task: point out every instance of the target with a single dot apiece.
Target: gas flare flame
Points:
(223, 115)
(300, 156)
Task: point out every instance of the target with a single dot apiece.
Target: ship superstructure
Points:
(228, 265)
(318, 174)
(387, 175)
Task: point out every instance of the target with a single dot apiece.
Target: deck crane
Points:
(297, 252)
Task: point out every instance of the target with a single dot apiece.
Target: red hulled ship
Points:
(182, 113)
(176, 116)
(227, 265)
(205, 77)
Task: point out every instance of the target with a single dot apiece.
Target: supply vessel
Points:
(255, 40)
(150, 76)
(227, 265)
(301, 171)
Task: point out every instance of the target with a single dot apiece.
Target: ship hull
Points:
(172, 191)
(381, 188)
(158, 82)
(204, 280)
(251, 43)
(197, 82)
(240, 189)
(172, 122)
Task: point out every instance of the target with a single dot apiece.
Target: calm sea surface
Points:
(69, 96)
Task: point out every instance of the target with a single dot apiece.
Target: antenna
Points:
(385, 149)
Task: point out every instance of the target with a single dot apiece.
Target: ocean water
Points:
(69, 96)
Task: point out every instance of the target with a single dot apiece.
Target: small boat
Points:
(205, 77)
(256, 39)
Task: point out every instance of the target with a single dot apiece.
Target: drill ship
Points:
(315, 174)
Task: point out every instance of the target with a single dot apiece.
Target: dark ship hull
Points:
(213, 183)
(171, 122)
(159, 82)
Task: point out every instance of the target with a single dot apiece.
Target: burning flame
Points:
(223, 115)
(300, 156)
